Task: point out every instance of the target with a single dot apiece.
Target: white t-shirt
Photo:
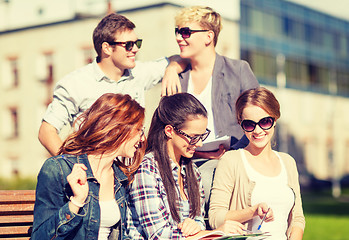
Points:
(110, 215)
(205, 97)
(276, 193)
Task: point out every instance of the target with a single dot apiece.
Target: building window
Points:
(45, 68)
(14, 118)
(263, 65)
(293, 29)
(49, 66)
(45, 71)
(14, 70)
(10, 127)
(88, 54)
(244, 16)
(343, 82)
(10, 73)
(257, 21)
(296, 72)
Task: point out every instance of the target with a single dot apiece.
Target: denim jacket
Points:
(52, 217)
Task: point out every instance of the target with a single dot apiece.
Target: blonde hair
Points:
(205, 16)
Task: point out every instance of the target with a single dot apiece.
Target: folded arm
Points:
(170, 82)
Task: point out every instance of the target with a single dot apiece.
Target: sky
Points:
(337, 8)
(25, 12)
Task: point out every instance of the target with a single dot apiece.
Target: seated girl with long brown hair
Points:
(167, 196)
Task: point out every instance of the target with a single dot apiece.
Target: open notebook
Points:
(214, 145)
(219, 235)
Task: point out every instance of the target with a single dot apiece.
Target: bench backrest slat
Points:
(16, 213)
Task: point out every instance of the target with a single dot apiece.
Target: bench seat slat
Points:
(16, 238)
(16, 230)
(17, 195)
(13, 219)
(21, 207)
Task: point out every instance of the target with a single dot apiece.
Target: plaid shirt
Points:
(149, 211)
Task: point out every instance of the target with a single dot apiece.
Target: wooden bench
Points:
(16, 213)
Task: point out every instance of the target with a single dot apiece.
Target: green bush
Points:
(18, 183)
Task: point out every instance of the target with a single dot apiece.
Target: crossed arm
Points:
(170, 83)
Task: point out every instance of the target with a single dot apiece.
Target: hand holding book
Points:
(229, 230)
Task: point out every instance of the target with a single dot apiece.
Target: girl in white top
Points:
(269, 193)
(110, 215)
(274, 191)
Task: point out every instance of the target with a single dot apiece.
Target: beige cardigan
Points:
(232, 189)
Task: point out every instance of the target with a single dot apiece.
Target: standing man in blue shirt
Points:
(113, 71)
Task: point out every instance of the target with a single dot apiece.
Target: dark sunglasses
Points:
(186, 32)
(129, 44)
(195, 139)
(265, 124)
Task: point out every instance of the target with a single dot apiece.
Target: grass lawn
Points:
(326, 218)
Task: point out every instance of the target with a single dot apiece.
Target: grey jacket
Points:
(229, 79)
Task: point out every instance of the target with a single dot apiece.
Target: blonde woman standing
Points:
(215, 80)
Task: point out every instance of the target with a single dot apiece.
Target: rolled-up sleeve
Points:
(151, 73)
(64, 106)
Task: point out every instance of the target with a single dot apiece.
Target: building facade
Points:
(303, 55)
(36, 57)
(315, 46)
(298, 53)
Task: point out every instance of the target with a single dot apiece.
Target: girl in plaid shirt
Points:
(166, 196)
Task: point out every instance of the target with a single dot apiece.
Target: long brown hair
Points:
(101, 129)
(175, 110)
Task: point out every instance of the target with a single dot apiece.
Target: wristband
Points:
(76, 203)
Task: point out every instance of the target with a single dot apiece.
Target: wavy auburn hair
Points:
(109, 122)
